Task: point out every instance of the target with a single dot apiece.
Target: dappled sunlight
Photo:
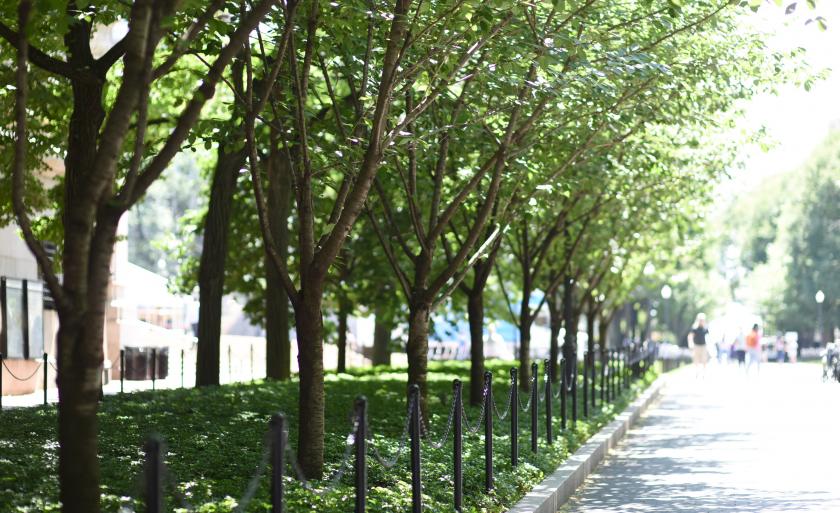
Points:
(727, 442)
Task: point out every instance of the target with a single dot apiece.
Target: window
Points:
(35, 317)
(21, 318)
(13, 312)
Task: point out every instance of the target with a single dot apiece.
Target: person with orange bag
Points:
(754, 349)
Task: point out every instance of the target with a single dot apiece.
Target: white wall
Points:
(15, 259)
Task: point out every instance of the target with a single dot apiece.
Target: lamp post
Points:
(666, 296)
(819, 297)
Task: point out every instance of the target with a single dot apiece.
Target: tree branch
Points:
(189, 116)
(19, 165)
(38, 57)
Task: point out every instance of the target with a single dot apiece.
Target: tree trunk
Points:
(343, 313)
(278, 347)
(603, 334)
(525, 321)
(78, 384)
(475, 312)
(277, 344)
(79, 338)
(417, 348)
(310, 332)
(382, 328)
(211, 271)
(590, 330)
(80, 359)
(555, 323)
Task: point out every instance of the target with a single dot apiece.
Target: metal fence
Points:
(615, 369)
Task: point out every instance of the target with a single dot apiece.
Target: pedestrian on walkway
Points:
(740, 348)
(754, 349)
(697, 341)
(780, 348)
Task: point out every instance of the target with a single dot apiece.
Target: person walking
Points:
(697, 341)
(754, 349)
(740, 346)
(780, 348)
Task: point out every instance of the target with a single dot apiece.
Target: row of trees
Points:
(406, 158)
(784, 239)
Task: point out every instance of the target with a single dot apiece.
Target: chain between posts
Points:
(503, 416)
(570, 383)
(12, 374)
(340, 470)
(389, 463)
(474, 429)
(424, 429)
(527, 407)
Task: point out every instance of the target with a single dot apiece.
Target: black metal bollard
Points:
(574, 391)
(620, 374)
(514, 418)
(549, 436)
(488, 432)
(626, 369)
(278, 461)
(154, 367)
(122, 370)
(457, 445)
(593, 379)
(154, 476)
(620, 356)
(182, 368)
(617, 378)
(361, 453)
(564, 384)
(603, 390)
(46, 377)
(535, 403)
(414, 434)
(585, 384)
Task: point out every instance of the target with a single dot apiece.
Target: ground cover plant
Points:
(215, 442)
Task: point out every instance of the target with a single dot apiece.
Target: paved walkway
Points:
(727, 443)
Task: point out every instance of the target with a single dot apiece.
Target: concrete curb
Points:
(556, 489)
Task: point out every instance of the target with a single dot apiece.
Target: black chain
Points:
(425, 430)
(12, 374)
(571, 383)
(503, 416)
(473, 430)
(340, 471)
(389, 463)
(527, 407)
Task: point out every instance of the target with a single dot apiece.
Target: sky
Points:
(797, 120)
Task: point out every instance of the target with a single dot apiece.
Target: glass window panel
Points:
(14, 318)
(35, 310)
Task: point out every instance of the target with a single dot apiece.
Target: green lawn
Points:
(215, 436)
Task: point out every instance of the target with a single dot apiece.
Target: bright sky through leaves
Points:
(796, 119)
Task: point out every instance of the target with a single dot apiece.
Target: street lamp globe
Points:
(820, 297)
(666, 292)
